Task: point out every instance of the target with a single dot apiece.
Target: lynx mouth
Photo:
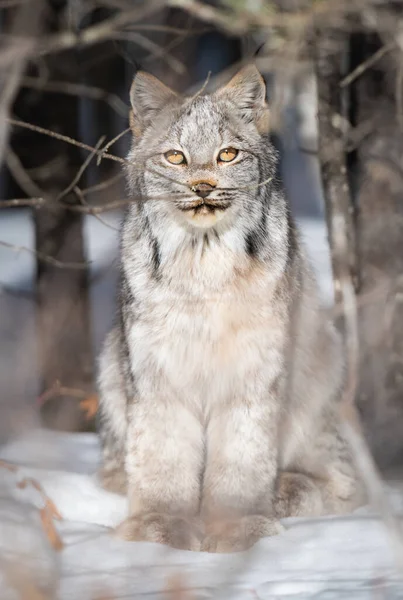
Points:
(203, 206)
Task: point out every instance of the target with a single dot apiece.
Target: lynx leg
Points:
(112, 418)
(164, 463)
(240, 475)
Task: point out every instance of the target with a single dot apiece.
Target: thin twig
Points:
(97, 210)
(44, 257)
(366, 64)
(203, 87)
(33, 202)
(94, 34)
(57, 390)
(11, 3)
(27, 17)
(80, 171)
(111, 142)
(399, 92)
(155, 50)
(102, 185)
(77, 89)
(65, 138)
(21, 175)
(94, 213)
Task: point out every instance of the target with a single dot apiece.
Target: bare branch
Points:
(27, 17)
(44, 257)
(102, 185)
(92, 212)
(97, 210)
(101, 31)
(33, 202)
(67, 139)
(155, 50)
(358, 71)
(399, 91)
(57, 389)
(21, 175)
(80, 171)
(111, 142)
(77, 89)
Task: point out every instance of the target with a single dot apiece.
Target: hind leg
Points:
(299, 495)
(112, 418)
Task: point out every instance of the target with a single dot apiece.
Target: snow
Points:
(344, 557)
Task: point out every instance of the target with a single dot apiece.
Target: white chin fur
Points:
(204, 220)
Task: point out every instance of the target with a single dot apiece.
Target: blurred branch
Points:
(85, 205)
(67, 139)
(21, 176)
(27, 20)
(111, 142)
(80, 171)
(44, 257)
(57, 390)
(77, 89)
(370, 62)
(154, 49)
(103, 184)
(105, 30)
(33, 202)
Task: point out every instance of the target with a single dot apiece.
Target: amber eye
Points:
(175, 157)
(227, 155)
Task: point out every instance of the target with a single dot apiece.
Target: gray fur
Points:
(219, 386)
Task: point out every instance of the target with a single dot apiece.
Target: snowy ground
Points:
(324, 558)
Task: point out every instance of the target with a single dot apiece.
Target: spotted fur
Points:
(219, 385)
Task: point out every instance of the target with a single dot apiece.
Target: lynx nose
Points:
(202, 189)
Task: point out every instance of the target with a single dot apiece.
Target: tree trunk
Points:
(372, 150)
(63, 328)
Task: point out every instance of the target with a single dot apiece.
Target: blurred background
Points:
(334, 74)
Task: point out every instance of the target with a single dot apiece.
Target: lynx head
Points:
(201, 159)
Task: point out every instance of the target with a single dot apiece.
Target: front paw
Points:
(237, 535)
(174, 531)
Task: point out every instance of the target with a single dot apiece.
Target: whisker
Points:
(251, 186)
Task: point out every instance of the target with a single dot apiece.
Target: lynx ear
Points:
(148, 95)
(247, 93)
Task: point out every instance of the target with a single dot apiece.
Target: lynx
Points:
(219, 385)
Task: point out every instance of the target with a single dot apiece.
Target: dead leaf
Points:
(8, 466)
(176, 589)
(90, 406)
(49, 504)
(50, 529)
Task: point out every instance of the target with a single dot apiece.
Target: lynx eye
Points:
(175, 157)
(228, 155)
